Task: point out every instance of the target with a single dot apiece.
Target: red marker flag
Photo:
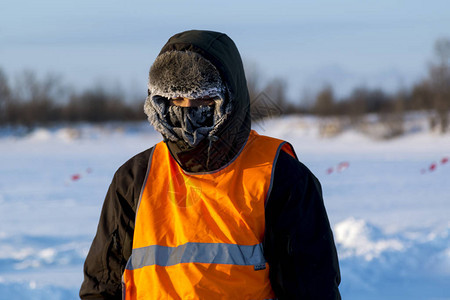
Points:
(75, 177)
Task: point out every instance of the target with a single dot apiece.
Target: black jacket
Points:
(298, 242)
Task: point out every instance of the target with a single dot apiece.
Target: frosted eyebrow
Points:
(206, 98)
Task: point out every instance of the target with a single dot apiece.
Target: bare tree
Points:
(439, 74)
(357, 107)
(100, 104)
(266, 99)
(276, 89)
(324, 105)
(392, 116)
(5, 94)
(253, 76)
(422, 96)
(35, 99)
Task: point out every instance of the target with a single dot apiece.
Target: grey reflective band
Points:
(211, 253)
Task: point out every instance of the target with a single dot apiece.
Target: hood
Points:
(232, 106)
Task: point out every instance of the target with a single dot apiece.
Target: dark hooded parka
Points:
(298, 242)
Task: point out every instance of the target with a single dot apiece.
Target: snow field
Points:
(389, 210)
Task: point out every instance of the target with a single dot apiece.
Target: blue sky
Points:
(385, 44)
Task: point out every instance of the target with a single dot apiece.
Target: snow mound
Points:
(410, 265)
(357, 238)
(40, 134)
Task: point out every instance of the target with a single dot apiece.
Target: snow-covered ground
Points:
(388, 203)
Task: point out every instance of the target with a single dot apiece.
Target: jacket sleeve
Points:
(112, 244)
(298, 242)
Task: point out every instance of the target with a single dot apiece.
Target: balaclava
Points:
(185, 74)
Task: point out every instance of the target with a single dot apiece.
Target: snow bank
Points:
(356, 238)
(376, 265)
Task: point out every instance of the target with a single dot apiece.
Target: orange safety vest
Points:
(199, 235)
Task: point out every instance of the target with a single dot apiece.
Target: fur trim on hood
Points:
(184, 74)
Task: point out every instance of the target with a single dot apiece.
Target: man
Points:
(215, 211)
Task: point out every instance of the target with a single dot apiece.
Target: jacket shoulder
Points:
(289, 169)
(136, 162)
(130, 176)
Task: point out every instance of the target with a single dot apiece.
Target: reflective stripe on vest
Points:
(212, 253)
(199, 235)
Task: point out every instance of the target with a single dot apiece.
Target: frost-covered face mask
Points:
(191, 124)
(180, 75)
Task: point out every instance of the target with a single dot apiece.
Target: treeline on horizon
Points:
(34, 101)
(431, 95)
